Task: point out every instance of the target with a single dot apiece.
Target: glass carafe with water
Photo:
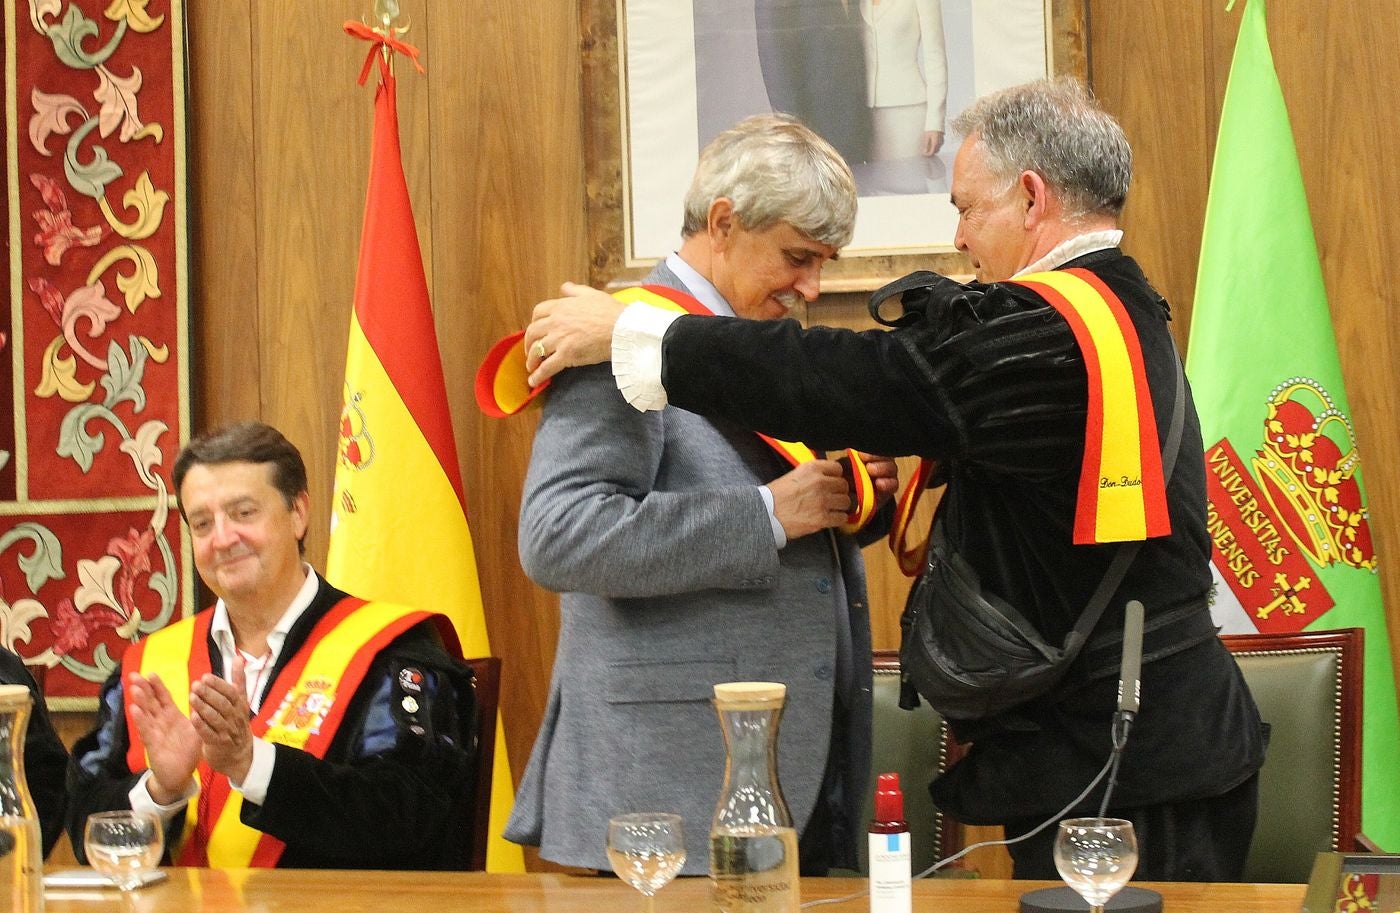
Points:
(21, 853)
(753, 846)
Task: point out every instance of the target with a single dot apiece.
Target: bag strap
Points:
(949, 292)
(1118, 569)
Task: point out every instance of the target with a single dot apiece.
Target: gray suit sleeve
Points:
(592, 519)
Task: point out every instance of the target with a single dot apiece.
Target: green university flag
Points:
(1288, 515)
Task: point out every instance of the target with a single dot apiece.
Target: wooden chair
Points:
(486, 672)
(918, 746)
(1309, 689)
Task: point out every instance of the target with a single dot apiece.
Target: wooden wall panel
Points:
(1172, 136)
(311, 153)
(224, 240)
(507, 197)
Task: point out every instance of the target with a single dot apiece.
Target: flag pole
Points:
(399, 528)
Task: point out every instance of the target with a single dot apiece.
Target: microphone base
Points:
(1066, 900)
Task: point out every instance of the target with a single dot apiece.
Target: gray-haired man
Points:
(689, 554)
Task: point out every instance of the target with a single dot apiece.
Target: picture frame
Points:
(615, 196)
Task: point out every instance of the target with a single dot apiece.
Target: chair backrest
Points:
(486, 673)
(1308, 688)
(917, 745)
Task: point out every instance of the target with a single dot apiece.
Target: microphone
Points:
(1130, 676)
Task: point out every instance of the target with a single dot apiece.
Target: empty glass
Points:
(124, 845)
(646, 850)
(1096, 857)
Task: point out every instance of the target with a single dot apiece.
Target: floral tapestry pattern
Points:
(94, 343)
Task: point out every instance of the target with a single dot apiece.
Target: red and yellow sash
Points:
(1122, 493)
(910, 558)
(303, 709)
(503, 389)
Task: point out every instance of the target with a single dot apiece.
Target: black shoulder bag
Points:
(972, 655)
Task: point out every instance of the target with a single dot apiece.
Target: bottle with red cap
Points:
(889, 849)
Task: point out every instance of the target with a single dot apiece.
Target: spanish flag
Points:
(399, 525)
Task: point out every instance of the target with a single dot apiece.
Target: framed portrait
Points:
(879, 79)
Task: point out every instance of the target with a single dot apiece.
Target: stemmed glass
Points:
(646, 850)
(1096, 857)
(124, 845)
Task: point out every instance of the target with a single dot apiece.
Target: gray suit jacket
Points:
(652, 527)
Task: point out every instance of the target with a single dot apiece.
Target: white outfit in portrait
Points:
(906, 70)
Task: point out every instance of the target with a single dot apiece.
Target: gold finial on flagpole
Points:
(385, 36)
(385, 12)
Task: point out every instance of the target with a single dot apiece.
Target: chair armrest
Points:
(1365, 844)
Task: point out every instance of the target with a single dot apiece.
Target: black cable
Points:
(1122, 721)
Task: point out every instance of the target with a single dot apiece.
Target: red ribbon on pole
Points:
(377, 41)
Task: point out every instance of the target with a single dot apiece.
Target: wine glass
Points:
(1096, 857)
(646, 850)
(124, 845)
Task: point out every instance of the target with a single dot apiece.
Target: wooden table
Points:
(305, 891)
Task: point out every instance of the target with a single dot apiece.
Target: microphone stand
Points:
(1064, 899)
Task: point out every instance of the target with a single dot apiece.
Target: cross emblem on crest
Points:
(1286, 597)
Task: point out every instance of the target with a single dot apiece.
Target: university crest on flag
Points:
(1295, 507)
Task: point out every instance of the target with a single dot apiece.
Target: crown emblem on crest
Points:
(1307, 467)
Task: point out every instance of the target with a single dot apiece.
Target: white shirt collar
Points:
(702, 289)
(222, 630)
(1077, 246)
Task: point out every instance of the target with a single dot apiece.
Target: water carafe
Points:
(21, 855)
(753, 846)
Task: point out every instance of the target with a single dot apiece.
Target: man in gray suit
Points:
(688, 554)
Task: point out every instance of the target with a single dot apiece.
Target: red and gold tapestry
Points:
(94, 378)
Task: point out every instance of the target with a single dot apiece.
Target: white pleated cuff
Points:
(142, 801)
(636, 355)
(255, 782)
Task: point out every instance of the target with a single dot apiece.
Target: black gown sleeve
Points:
(989, 375)
(829, 388)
